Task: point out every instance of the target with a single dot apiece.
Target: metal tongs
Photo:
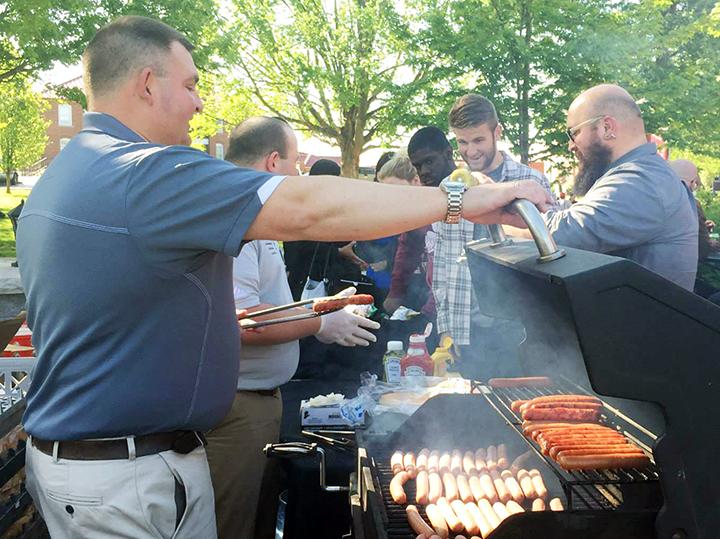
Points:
(251, 324)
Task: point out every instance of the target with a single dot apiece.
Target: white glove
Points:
(346, 328)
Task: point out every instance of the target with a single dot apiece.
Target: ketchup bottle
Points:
(417, 361)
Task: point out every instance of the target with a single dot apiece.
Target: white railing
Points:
(15, 375)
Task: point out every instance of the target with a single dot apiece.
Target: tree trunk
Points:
(524, 108)
(8, 178)
(350, 159)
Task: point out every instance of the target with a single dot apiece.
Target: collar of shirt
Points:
(104, 123)
(649, 148)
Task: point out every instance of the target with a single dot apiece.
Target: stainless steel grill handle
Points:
(545, 243)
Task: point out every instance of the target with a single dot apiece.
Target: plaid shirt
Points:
(451, 280)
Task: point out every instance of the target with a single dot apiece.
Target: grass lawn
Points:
(8, 202)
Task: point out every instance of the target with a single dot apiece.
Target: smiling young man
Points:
(125, 247)
(474, 122)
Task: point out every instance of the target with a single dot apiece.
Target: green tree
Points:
(22, 128)
(341, 74)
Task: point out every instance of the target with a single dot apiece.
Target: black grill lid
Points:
(624, 331)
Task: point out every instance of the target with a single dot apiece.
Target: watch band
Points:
(454, 206)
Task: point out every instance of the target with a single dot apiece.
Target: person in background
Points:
(487, 346)
(633, 204)
(334, 261)
(245, 482)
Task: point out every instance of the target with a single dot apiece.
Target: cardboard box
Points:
(322, 416)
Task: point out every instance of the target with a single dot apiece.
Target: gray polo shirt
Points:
(125, 250)
(640, 210)
(259, 277)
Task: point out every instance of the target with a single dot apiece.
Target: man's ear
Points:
(498, 131)
(609, 127)
(271, 161)
(144, 83)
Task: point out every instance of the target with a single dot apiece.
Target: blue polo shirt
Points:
(125, 250)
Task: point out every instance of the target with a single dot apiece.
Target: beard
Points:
(487, 160)
(593, 163)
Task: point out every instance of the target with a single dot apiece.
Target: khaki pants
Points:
(137, 498)
(240, 470)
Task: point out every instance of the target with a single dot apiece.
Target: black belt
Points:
(262, 392)
(180, 441)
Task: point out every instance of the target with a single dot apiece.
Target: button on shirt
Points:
(126, 249)
(640, 210)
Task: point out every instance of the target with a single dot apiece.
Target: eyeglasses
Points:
(572, 131)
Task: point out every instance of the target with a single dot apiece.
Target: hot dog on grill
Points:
(502, 458)
(434, 461)
(538, 504)
(501, 511)
(515, 405)
(397, 490)
(556, 505)
(450, 486)
(437, 520)
(396, 462)
(467, 520)
(479, 517)
(513, 486)
(608, 461)
(475, 487)
(480, 464)
(417, 523)
(444, 463)
(489, 513)
(422, 459)
(572, 414)
(514, 507)
(500, 487)
(488, 487)
(469, 463)
(463, 487)
(491, 457)
(422, 487)
(538, 483)
(435, 489)
(526, 484)
(453, 522)
(456, 459)
(409, 464)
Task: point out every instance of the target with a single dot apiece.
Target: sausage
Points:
(453, 522)
(417, 523)
(475, 487)
(450, 486)
(444, 462)
(515, 405)
(563, 404)
(513, 486)
(489, 514)
(589, 448)
(566, 398)
(529, 427)
(331, 304)
(514, 507)
(433, 464)
(575, 414)
(526, 484)
(422, 487)
(488, 487)
(556, 505)
(396, 462)
(456, 465)
(502, 458)
(467, 520)
(463, 487)
(479, 519)
(547, 445)
(469, 463)
(538, 483)
(612, 450)
(606, 461)
(538, 504)
(409, 463)
(435, 489)
(491, 458)
(397, 491)
(501, 511)
(500, 487)
(437, 520)
(480, 464)
(528, 381)
(422, 459)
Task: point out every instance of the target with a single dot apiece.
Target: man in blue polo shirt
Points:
(125, 248)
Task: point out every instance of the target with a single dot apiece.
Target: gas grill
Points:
(598, 325)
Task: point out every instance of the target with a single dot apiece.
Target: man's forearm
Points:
(326, 208)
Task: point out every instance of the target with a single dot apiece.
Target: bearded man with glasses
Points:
(633, 204)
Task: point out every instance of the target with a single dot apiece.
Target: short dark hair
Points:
(428, 138)
(256, 138)
(384, 158)
(325, 167)
(125, 46)
(471, 110)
